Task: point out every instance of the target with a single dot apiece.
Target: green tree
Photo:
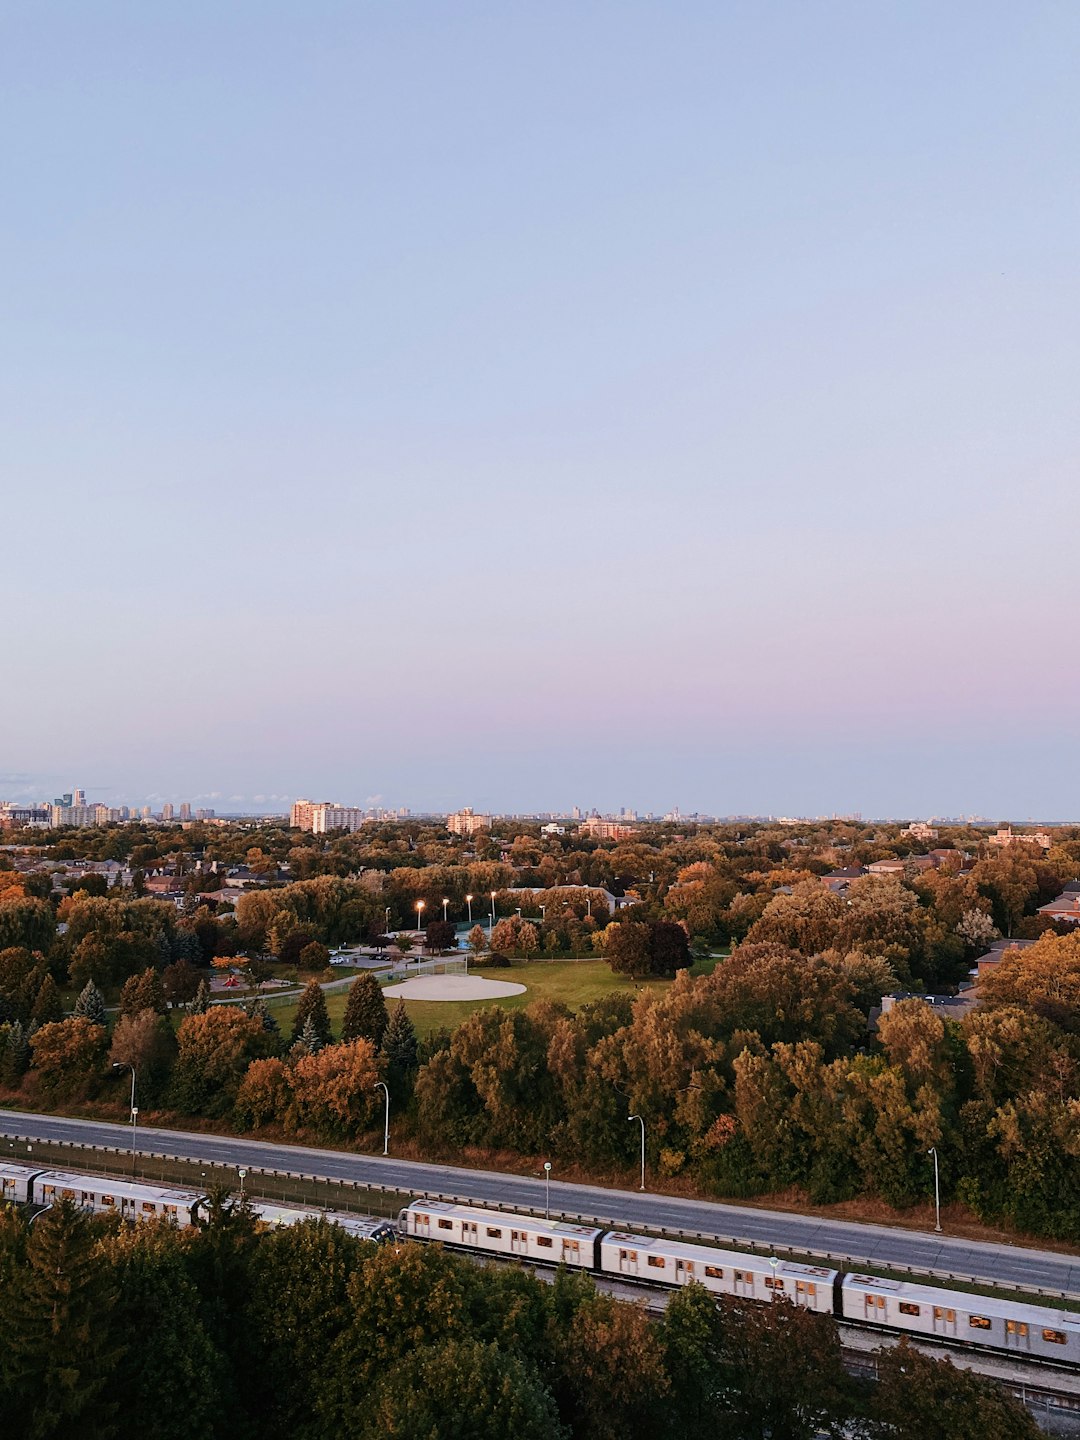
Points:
(15, 1055)
(91, 1004)
(626, 948)
(61, 1340)
(201, 1003)
(399, 1046)
(312, 1006)
(47, 1006)
(917, 1396)
(145, 991)
(314, 956)
(461, 1390)
(310, 1038)
(365, 1011)
(169, 1387)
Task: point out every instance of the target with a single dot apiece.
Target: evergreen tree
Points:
(47, 1006)
(15, 1059)
(262, 1012)
(91, 1004)
(399, 1044)
(60, 1348)
(310, 1038)
(365, 1013)
(201, 1003)
(145, 991)
(313, 1004)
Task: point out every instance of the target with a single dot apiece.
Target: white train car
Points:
(953, 1315)
(494, 1232)
(725, 1272)
(364, 1227)
(16, 1182)
(109, 1195)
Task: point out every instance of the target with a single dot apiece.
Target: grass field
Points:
(572, 982)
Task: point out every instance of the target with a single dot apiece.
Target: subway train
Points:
(953, 1317)
(139, 1200)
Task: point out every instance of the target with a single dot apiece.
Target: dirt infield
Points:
(452, 987)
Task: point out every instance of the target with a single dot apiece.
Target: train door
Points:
(468, 1232)
(744, 1282)
(571, 1252)
(806, 1294)
(944, 1321)
(684, 1271)
(1016, 1335)
(628, 1264)
(421, 1224)
(874, 1308)
(519, 1242)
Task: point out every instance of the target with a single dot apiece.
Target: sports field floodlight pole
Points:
(380, 1085)
(468, 902)
(641, 1122)
(937, 1191)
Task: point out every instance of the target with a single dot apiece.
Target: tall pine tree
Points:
(365, 1013)
(399, 1045)
(47, 1006)
(91, 1004)
(313, 1004)
(60, 1350)
(201, 1003)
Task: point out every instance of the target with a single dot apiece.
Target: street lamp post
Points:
(937, 1191)
(379, 1085)
(386, 921)
(419, 911)
(491, 927)
(641, 1122)
(543, 913)
(468, 902)
(126, 1065)
(547, 1189)
(243, 1177)
(445, 903)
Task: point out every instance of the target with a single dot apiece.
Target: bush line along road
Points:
(991, 1264)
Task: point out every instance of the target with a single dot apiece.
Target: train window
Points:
(148, 1208)
(493, 1233)
(714, 1272)
(656, 1261)
(739, 1277)
(422, 1219)
(1055, 1337)
(875, 1301)
(1016, 1327)
(544, 1241)
(48, 1189)
(978, 1322)
(906, 1308)
(771, 1283)
(571, 1247)
(170, 1209)
(805, 1288)
(446, 1224)
(107, 1200)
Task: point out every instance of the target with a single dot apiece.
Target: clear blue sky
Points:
(529, 405)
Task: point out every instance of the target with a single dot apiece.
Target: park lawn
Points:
(574, 983)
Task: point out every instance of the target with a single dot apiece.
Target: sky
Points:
(520, 405)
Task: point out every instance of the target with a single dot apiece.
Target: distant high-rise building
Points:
(465, 822)
(146, 813)
(167, 811)
(185, 811)
(325, 818)
(204, 814)
(78, 797)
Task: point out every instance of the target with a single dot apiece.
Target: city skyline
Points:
(518, 409)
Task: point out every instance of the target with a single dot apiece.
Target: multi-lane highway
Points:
(866, 1244)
